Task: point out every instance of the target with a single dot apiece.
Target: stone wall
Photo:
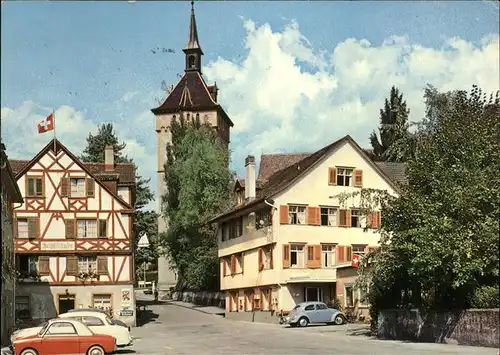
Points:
(215, 299)
(8, 281)
(257, 316)
(475, 327)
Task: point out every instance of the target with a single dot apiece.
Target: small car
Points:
(314, 312)
(114, 321)
(64, 337)
(100, 323)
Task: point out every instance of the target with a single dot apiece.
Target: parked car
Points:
(100, 323)
(114, 321)
(314, 312)
(64, 337)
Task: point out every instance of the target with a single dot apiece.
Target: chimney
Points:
(109, 158)
(250, 178)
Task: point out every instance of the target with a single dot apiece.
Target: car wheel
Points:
(303, 322)
(29, 352)
(339, 320)
(96, 350)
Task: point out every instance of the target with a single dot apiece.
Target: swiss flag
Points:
(46, 124)
(355, 260)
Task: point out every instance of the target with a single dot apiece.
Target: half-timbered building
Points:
(73, 235)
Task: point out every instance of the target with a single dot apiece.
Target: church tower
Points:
(192, 98)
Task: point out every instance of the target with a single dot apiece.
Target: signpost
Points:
(143, 243)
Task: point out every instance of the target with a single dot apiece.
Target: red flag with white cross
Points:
(47, 124)
(356, 259)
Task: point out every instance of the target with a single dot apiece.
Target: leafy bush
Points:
(486, 297)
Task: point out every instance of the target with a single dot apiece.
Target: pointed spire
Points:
(193, 32)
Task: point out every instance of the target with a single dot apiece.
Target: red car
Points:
(64, 337)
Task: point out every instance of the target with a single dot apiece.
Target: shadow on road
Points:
(145, 315)
(125, 351)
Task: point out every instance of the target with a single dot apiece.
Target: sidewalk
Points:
(204, 309)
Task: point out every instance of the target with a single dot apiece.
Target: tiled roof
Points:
(124, 172)
(190, 93)
(272, 163)
(279, 179)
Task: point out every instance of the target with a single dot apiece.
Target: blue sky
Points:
(293, 76)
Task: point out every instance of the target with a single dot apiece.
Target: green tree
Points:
(393, 127)
(197, 177)
(144, 221)
(440, 236)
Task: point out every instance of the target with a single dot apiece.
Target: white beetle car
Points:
(100, 323)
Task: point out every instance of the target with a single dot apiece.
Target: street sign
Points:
(126, 312)
(143, 241)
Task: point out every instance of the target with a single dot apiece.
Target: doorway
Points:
(66, 303)
(314, 294)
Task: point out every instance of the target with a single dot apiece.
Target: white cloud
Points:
(287, 96)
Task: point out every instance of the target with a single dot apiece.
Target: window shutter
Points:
(348, 252)
(30, 186)
(310, 256)
(332, 176)
(313, 216)
(70, 228)
(370, 222)
(33, 227)
(340, 254)
(65, 187)
(358, 178)
(378, 218)
(342, 218)
(317, 256)
(71, 265)
(43, 265)
(233, 264)
(286, 256)
(284, 214)
(242, 262)
(90, 187)
(261, 259)
(271, 250)
(103, 228)
(348, 218)
(223, 265)
(102, 265)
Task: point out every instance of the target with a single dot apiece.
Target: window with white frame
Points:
(297, 214)
(344, 176)
(87, 228)
(77, 187)
(296, 255)
(359, 249)
(87, 263)
(22, 228)
(102, 302)
(328, 216)
(328, 255)
(35, 186)
(355, 218)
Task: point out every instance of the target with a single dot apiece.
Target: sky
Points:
(293, 76)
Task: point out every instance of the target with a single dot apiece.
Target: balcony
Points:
(251, 239)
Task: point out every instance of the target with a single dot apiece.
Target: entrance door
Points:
(66, 302)
(314, 294)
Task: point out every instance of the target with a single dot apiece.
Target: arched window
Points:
(191, 60)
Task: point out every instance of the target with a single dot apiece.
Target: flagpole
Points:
(54, 124)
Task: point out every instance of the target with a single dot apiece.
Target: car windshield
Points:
(44, 327)
(296, 307)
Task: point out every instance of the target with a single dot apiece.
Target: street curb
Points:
(196, 309)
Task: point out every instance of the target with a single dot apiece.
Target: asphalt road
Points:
(176, 330)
